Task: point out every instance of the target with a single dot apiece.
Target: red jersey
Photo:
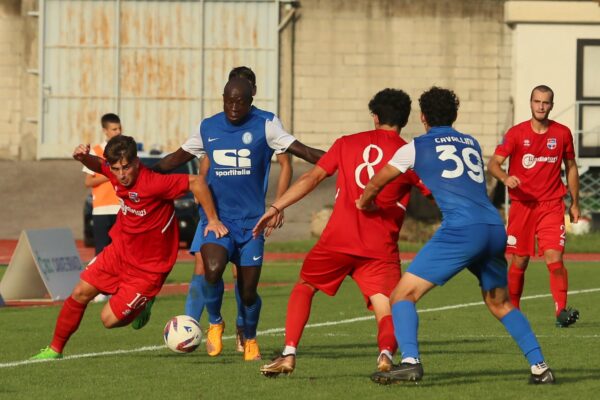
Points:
(536, 160)
(357, 158)
(146, 228)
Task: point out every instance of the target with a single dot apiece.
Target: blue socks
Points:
(194, 303)
(251, 315)
(213, 298)
(406, 326)
(239, 322)
(517, 325)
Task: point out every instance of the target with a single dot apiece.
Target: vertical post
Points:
(117, 70)
(41, 75)
(202, 51)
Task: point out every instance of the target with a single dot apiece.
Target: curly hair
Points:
(392, 107)
(119, 148)
(439, 106)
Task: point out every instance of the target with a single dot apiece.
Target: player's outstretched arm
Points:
(306, 153)
(304, 185)
(82, 154)
(495, 168)
(377, 182)
(172, 161)
(283, 183)
(572, 174)
(202, 194)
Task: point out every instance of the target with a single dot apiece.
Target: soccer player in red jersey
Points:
(536, 148)
(144, 244)
(363, 246)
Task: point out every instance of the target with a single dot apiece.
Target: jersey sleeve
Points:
(277, 138)
(569, 149)
(194, 144)
(330, 160)
(276, 121)
(507, 146)
(404, 158)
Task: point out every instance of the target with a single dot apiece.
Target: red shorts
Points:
(326, 270)
(530, 219)
(130, 287)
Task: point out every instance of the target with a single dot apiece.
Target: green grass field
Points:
(466, 353)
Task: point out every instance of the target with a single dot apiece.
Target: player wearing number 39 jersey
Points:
(354, 244)
(471, 236)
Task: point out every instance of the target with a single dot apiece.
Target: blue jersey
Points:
(240, 160)
(450, 164)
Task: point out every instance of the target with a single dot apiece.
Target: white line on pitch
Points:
(275, 330)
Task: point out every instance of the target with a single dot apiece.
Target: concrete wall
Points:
(18, 89)
(345, 51)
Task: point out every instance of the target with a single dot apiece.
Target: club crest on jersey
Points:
(133, 196)
(551, 143)
(526, 143)
(247, 138)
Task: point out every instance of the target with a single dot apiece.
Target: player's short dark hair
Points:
(392, 107)
(109, 118)
(543, 89)
(439, 106)
(241, 84)
(243, 72)
(120, 147)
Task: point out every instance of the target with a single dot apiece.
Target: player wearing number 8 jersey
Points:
(471, 236)
(353, 244)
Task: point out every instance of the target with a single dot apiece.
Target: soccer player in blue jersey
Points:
(194, 304)
(239, 145)
(471, 236)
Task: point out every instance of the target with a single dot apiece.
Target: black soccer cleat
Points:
(544, 378)
(404, 372)
(566, 317)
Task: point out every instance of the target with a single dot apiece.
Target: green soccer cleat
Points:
(47, 354)
(142, 319)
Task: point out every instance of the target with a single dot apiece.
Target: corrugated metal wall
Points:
(159, 64)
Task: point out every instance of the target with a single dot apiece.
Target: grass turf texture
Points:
(466, 353)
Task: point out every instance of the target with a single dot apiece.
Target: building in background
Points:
(161, 65)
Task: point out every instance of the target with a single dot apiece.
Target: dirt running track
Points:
(7, 247)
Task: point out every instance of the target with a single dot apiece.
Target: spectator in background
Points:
(105, 204)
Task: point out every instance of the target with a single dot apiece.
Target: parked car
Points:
(186, 208)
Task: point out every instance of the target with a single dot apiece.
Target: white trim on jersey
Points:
(404, 158)
(277, 138)
(194, 144)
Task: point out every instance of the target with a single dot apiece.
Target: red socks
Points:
(67, 323)
(516, 281)
(559, 284)
(385, 335)
(298, 312)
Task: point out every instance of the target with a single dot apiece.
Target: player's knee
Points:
(81, 295)
(249, 297)
(109, 321)
(520, 261)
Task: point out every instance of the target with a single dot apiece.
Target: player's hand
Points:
(80, 151)
(368, 208)
(263, 223)
(278, 220)
(512, 182)
(217, 228)
(574, 213)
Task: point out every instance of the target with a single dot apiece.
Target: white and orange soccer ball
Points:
(182, 334)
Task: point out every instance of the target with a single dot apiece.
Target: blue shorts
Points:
(242, 249)
(480, 248)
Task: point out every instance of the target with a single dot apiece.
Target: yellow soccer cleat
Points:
(280, 365)
(239, 339)
(384, 363)
(214, 339)
(251, 350)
